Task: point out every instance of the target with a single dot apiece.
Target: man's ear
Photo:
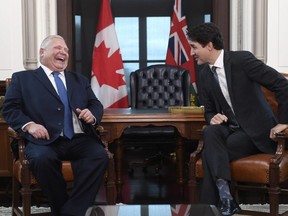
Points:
(41, 52)
(210, 46)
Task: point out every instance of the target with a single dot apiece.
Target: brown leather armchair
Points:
(24, 183)
(265, 173)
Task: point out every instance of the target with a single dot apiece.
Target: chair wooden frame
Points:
(23, 180)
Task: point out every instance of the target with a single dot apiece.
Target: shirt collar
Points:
(219, 63)
(48, 72)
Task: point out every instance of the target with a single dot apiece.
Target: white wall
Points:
(277, 45)
(260, 26)
(11, 54)
(24, 24)
(44, 15)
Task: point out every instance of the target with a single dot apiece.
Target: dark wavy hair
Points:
(205, 33)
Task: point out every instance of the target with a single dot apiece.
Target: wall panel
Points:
(11, 55)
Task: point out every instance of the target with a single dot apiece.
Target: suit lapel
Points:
(42, 77)
(227, 66)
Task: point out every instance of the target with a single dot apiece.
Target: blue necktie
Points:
(68, 124)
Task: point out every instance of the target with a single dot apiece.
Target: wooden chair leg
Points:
(26, 196)
(192, 182)
(118, 168)
(15, 195)
(110, 185)
(26, 190)
(180, 165)
(274, 200)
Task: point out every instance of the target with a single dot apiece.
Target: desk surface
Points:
(148, 116)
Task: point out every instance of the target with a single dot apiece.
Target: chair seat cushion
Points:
(254, 168)
(66, 170)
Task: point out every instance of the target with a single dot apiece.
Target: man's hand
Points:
(218, 119)
(86, 115)
(278, 128)
(37, 131)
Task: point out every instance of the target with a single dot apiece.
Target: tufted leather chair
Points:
(156, 87)
(159, 86)
(263, 173)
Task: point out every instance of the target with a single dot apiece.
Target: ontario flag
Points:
(107, 79)
(179, 50)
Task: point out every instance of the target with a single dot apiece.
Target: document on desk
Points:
(186, 109)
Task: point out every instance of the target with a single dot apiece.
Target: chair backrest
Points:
(159, 86)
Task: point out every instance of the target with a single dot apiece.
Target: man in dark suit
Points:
(240, 121)
(34, 106)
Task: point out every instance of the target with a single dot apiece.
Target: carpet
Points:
(263, 208)
(4, 211)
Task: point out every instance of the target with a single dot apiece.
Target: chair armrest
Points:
(282, 134)
(14, 135)
(102, 133)
(197, 153)
(282, 138)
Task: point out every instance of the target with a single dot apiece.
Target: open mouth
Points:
(60, 59)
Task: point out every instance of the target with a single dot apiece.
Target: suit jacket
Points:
(32, 97)
(245, 75)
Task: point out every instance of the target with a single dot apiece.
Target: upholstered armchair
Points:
(262, 173)
(24, 183)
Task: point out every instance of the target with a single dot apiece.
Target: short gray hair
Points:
(48, 39)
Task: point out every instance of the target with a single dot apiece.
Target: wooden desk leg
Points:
(180, 164)
(118, 159)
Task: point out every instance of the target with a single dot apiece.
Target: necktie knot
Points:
(214, 68)
(56, 74)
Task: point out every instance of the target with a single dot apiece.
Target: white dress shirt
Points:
(219, 64)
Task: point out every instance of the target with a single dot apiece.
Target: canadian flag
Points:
(107, 79)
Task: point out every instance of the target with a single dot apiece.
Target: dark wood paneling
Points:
(5, 153)
(2, 87)
(65, 25)
(221, 17)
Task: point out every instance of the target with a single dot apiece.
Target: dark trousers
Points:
(221, 146)
(89, 161)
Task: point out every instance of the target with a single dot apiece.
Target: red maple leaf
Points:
(104, 67)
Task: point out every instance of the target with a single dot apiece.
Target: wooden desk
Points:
(116, 120)
(5, 152)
